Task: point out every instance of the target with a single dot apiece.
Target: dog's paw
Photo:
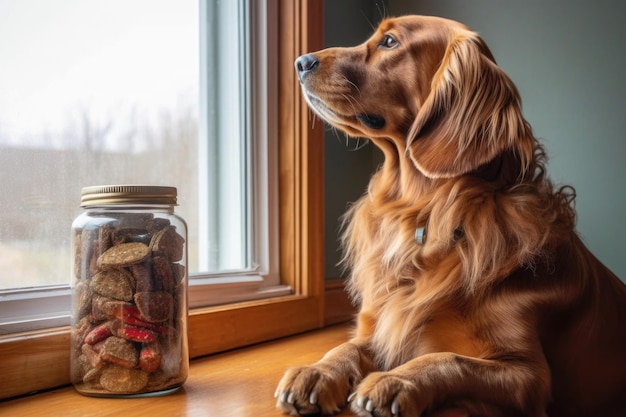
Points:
(384, 394)
(312, 391)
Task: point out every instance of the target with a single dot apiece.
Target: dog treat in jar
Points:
(129, 292)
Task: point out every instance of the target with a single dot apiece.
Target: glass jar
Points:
(129, 292)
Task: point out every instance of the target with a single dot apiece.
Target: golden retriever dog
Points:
(476, 296)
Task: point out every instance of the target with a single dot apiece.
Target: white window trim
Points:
(32, 309)
(263, 280)
(46, 307)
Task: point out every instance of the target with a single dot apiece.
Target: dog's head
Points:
(428, 84)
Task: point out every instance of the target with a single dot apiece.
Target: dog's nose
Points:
(305, 64)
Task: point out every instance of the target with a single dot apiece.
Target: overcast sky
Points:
(64, 57)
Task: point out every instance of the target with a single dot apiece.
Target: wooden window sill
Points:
(236, 383)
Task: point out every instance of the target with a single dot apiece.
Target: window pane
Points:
(225, 162)
(100, 92)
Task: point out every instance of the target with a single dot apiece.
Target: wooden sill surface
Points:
(239, 383)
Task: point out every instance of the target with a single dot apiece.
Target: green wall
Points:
(568, 59)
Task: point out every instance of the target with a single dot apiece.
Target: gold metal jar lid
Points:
(100, 195)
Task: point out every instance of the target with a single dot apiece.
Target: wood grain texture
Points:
(301, 154)
(34, 361)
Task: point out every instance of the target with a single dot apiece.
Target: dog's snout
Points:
(305, 64)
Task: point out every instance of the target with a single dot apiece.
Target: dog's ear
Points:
(472, 114)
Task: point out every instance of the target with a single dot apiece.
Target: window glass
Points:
(110, 92)
(93, 93)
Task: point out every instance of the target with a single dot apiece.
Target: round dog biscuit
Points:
(113, 283)
(155, 306)
(124, 254)
(169, 243)
(123, 380)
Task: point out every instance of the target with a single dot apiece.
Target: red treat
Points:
(150, 357)
(136, 334)
(99, 333)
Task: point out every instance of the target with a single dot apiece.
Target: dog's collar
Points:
(420, 234)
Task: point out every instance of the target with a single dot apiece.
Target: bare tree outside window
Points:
(91, 93)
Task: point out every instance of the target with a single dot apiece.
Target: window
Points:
(162, 94)
(237, 242)
(299, 216)
(90, 95)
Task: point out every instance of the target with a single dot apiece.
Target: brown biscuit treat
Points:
(82, 299)
(86, 251)
(122, 380)
(120, 352)
(162, 274)
(134, 220)
(80, 330)
(93, 263)
(155, 306)
(92, 358)
(105, 237)
(158, 380)
(103, 308)
(78, 255)
(168, 243)
(143, 276)
(113, 283)
(123, 255)
(79, 368)
(179, 272)
(131, 235)
(92, 375)
(157, 224)
(99, 308)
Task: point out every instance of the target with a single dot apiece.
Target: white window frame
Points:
(46, 307)
(262, 280)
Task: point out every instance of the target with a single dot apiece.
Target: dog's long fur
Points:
(502, 310)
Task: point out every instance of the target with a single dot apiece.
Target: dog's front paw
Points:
(384, 394)
(312, 391)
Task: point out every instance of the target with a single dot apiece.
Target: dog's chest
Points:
(408, 326)
(413, 309)
(392, 246)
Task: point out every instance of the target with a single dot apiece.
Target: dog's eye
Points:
(388, 42)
